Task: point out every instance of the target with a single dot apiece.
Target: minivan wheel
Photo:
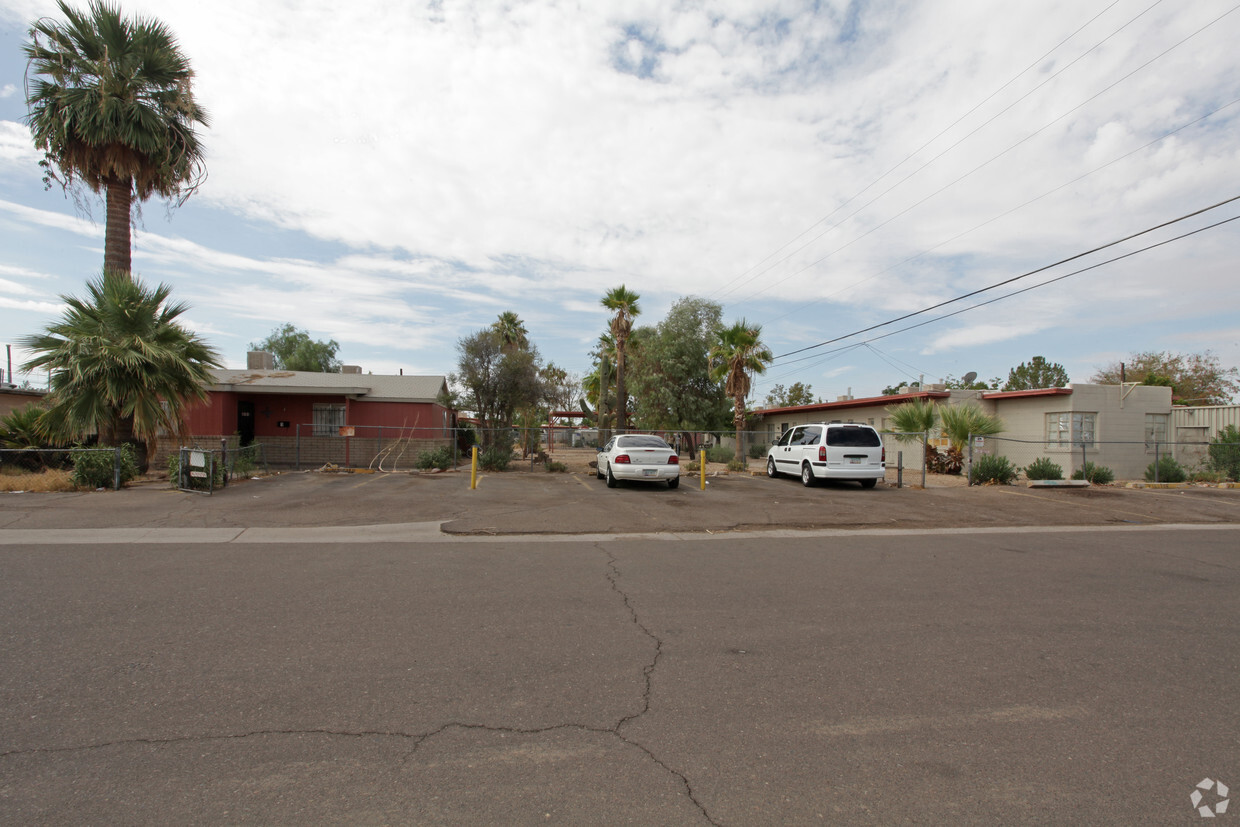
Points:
(868, 483)
(807, 475)
(770, 468)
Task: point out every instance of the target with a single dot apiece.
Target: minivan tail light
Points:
(884, 457)
(822, 453)
(623, 459)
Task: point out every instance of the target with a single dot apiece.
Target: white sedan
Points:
(638, 457)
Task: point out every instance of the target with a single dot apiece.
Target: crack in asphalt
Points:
(419, 738)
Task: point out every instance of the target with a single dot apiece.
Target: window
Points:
(328, 419)
(1068, 429)
(1155, 430)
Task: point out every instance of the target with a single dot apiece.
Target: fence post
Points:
(297, 448)
(1084, 475)
(116, 468)
(969, 467)
(473, 470)
(1155, 460)
(224, 459)
(899, 469)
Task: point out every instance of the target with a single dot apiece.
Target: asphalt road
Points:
(396, 675)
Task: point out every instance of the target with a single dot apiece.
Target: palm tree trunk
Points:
(622, 395)
(116, 254)
(738, 419)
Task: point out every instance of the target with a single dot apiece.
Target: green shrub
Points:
(717, 453)
(757, 451)
(1095, 474)
(440, 458)
(692, 466)
(554, 467)
(1044, 468)
(1168, 470)
(495, 458)
(1208, 476)
(737, 465)
(992, 470)
(1225, 453)
(95, 469)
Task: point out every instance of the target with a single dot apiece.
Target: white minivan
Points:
(835, 451)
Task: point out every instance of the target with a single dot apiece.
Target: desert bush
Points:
(757, 451)
(1043, 468)
(495, 457)
(717, 453)
(1168, 470)
(1205, 475)
(992, 470)
(440, 458)
(1224, 453)
(50, 479)
(1095, 474)
(554, 467)
(244, 461)
(737, 465)
(95, 469)
(692, 466)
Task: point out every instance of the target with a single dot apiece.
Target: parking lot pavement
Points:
(518, 503)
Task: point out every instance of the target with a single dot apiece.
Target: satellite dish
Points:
(969, 377)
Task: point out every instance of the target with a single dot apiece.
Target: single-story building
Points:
(14, 398)
(1120, 427)
(1193, 427)
(304, 417)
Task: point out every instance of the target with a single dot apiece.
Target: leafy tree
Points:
(121, 364)
(961, 421)
(497, 381)
(110, 104)
(1036, 373)
(293, 349)
(892, 390)
(561, 387)
(1195, 378)
(622, 302)
(739, 352)
(670, 371)
(954, 384)
(790, 397)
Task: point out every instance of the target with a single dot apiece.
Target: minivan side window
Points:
(785, 439)
(812, 436)
(853, 438)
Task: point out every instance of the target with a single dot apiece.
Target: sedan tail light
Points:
(673, 460)
(623, 459)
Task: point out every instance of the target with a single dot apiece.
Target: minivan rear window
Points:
(853, 438)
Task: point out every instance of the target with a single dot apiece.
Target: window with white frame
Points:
(328, 419)
(1069, 428)
(1156, 430)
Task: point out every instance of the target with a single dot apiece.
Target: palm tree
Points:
(737, 353)
(121, 365)
(111, 107)
(913, 420)
(599, 384)
(962, 421)
(512, 331)
(624, 303)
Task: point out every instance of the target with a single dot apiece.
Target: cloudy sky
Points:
(394, 175)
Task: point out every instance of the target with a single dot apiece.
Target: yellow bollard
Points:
(473, 470)
(702, 466)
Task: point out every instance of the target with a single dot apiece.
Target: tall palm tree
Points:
(111, 107)
(738, 353)
(512, 331)
(623, 302)
(121, 365)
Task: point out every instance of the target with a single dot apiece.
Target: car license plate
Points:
(650, 472)
(854, 460)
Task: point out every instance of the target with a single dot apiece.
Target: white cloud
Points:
(15, 145)
(7, 91)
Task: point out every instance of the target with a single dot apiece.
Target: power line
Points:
(991, 160)
(941, 133)
(1022, 290)
(804, 305)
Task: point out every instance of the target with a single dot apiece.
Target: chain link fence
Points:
(1104, 460)
(87, 467)
(204, 471)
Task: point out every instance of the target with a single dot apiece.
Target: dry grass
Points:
(12, 479)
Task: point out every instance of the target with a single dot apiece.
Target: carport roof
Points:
(374, 388)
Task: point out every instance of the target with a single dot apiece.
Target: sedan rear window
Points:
(853, 438)
(641, 442)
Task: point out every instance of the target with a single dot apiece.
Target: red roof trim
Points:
(868, 401)
(1035, 392)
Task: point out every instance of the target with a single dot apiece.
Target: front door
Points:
(245, 421)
